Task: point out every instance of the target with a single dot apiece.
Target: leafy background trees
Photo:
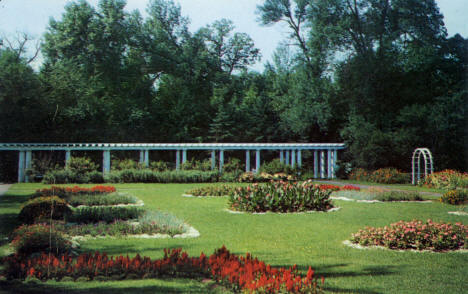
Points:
(380, 75)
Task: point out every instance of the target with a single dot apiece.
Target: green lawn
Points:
(281, 240)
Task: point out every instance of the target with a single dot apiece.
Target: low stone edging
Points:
(360, 247)
(463, 213)
(191, 233)
(376, 201)
(262, 213)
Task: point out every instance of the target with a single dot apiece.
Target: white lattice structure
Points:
(416, 161)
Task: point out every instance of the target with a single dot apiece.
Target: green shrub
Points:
(230, 177)
(276, 166)
(222, 190)
(59, 176)
(28, 239)
(233, 165)
(43, 208)
(455, 197)
(148, 176)
(94, 214)
(158, 166)
(95, 177)
(99, 200)
(126, 164)
(280, 197)
(81, 165)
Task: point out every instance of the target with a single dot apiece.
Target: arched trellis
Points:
(428, 164)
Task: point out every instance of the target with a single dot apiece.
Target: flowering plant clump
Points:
(415, 235)
(64, 192)
(350, 188)
(383, 176)
(455, 197)
(280, 197)
(240, 273)
(447, 179)
(359, 174)
(212, 191)
(329, 187)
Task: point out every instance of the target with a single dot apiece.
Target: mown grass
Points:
(281, 240)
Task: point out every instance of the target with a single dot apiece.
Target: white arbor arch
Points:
(428, 165)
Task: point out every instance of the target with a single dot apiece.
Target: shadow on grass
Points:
(39, 288)
(10, 201)
(328, 272)
(8, 221)
(131, 248)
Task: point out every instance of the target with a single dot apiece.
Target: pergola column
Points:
(316, 164)
(27, 163)
(299, 158)
(329, 164)
(335, 158)
(106, 161)
(21, 160)
(322, 164)
(247, 160)
(281, 156)
(177, 163)
(184, 155)
(287, 157)
(142, 156)
(293, 158)
(257, 161)
(221, 160)
(213, 159)
(67, 156)
(146, 158)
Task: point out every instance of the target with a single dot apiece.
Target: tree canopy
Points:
(380, 75)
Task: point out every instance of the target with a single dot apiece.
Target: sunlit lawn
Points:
(282, 240)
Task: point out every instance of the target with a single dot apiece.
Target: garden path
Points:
(362, 186)
(4, 188)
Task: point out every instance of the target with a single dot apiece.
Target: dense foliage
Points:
(382, 76)
(455, 197)
(239, 273)
(280, 197)
(29, 239)
(415, 235)
(447, 179)
(40, 208)
(381, 175)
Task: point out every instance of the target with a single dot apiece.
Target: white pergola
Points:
(289, 153)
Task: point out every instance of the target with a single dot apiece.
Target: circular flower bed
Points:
(415, 234)
(280, 197)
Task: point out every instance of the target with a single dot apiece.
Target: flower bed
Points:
(280, 197)
(223, 190)
(383, 176)
(447, 179)
(64, 192)
(236, 272)
(415, 235)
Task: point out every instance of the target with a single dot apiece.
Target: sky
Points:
(32, 17)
